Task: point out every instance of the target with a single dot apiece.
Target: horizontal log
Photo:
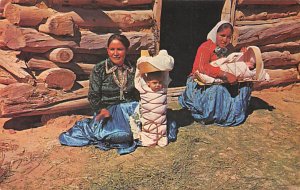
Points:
(279, 77)
(90, 42)
(50, 109)
(281, 46)
(240, 16)
(84, 18)
(39, 64)
(58, 78)
(109, 21)
(276, 59)
(10, 64)
(38, 42)
(17, 91)
(100, 3)
(26, 15)
(25, 2)
(41, 101)
(266, 33)
(268, 2)
(59, 24)
(96, 44)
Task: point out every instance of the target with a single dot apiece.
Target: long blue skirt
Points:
(112, 132)
(224, 105)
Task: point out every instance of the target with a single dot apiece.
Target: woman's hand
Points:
(104, 113)
(230, 78)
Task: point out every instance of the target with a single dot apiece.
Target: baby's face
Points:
(251, 63)
(155, 85)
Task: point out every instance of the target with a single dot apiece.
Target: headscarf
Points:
(212, 35)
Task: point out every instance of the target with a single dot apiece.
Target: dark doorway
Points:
(184, 26)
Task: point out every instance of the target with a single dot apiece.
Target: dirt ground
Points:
(262, 153)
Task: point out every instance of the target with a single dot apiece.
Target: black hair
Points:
(122, 38)
(225, 26)
(154, 75)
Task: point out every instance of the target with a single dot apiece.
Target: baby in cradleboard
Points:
(152, 80)
(246, 66)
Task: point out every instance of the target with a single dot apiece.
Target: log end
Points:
(58, 78)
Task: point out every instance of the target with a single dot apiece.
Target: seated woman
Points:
(222, 104)
(246, 66)
(113, 98)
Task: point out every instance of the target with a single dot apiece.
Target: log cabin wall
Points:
(49, 47)
(274, 26)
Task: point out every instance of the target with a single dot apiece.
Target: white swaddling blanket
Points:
(153, 105)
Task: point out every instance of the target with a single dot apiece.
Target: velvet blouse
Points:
(103, 90)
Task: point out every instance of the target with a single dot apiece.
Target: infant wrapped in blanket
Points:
(247, 66)
(152, 80)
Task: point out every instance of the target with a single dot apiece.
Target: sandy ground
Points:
(262, 153)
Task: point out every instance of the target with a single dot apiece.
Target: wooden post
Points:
(157, 16)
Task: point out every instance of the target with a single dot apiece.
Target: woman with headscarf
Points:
(221, 104)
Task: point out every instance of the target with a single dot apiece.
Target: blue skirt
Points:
(224, 104)
(112, 132)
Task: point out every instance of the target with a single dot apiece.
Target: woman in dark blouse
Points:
(111, 81)
(113, 98)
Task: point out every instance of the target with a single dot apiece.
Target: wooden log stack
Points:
(48, 48)
(274, 26)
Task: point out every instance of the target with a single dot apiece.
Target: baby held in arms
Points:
(246, 66)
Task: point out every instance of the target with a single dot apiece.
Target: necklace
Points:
(121, 78)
